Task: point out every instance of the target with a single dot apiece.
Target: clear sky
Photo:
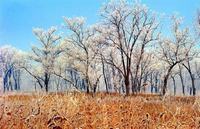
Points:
(18, 17)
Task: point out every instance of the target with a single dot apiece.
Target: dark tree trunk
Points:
(96, 84)
(95, 89)
(46, 82)
(10, 84)
(104, 74)
(191, 76)
(193, 85)
(127, 83)
(145, 82)
(87, 85)
(164, 88)
(182, 83)
(15, 76)
(156, 83)
(133, 83)
(174, 82)
(87, 76)
(135, 87)
(151, 81)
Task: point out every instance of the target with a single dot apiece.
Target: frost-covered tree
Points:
(10, 70)
(174, 50)
(127, 26)
(43, 57)
(81, 49)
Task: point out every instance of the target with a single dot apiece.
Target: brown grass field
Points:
(101, 111)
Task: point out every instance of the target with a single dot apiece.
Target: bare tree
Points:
(175, 50)
(128, 25)
(187, 65)
(44, 56)
(81, 48)
(104, 73)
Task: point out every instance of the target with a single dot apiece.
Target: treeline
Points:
(125, 52)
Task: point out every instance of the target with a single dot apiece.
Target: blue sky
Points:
(18, 17)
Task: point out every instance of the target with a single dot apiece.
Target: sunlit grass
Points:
(79, 110)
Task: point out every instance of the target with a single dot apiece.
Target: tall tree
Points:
(174, 50)
(42, 58)
(81, 48)
(127, 25)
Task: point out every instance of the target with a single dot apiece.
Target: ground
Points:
(101, 111)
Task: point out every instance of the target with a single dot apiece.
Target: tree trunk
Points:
(104, 75)
(46, 82)
(139, 84)
(191, 76)
(87, 85)
(18, 80)
(87, 76)
(156, 83)
(135, 88)
(182, 83)
(137, 68)
(164, 88)
(132, 82)
(174, 82)
(35, 87)
(151, 81)
(193, 85)
(95, 89)
(127, 83)
(10, 84)
(156, 86)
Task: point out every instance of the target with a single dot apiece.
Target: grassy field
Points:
(102, 111)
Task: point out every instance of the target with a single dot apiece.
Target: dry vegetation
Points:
(76, 110)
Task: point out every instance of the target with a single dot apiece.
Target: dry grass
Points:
(76, 110)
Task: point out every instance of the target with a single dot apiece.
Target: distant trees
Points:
(10, 68)
(124, 52)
